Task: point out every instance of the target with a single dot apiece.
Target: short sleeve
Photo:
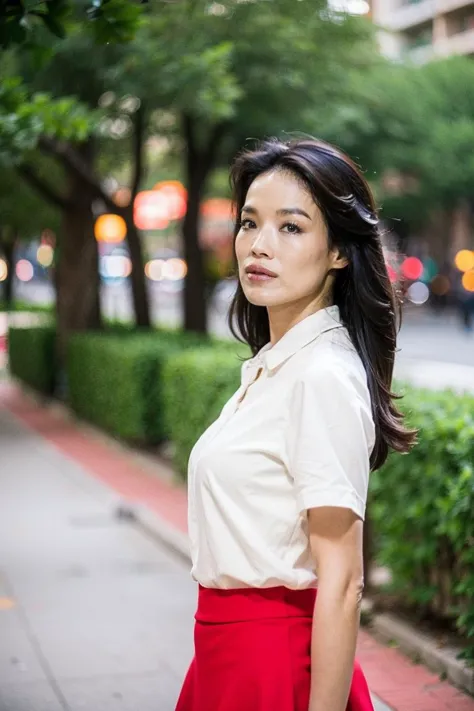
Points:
(330, 438)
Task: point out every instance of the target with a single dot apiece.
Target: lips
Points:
(257, 273)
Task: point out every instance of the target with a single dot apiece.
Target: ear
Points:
(338, 260)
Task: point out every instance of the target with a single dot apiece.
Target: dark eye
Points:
(247, 224)
(292, 228)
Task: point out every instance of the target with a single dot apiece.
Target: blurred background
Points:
(118, 122)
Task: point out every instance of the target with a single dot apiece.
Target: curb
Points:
(155, 527)
(387, 628)
(422, 647)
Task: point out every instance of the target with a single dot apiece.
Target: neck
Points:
(282, 318)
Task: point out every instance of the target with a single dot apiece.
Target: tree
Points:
(22, 217)
(67, 129)
(210, 67)
(412, 127)
(235, 69)
(25, 21)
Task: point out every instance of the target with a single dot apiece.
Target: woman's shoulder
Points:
(333, 363)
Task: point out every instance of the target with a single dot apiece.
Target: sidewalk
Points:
(107, 614)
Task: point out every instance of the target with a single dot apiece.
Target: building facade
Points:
(422, 30)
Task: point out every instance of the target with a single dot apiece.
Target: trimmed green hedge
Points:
(422, 509)
(31, 357)
(115, 381)
(421, 504)
(145, 386)
(195, 387)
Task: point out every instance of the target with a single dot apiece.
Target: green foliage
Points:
(22, 306)
(196, 385)
(22, 22)
(20, 19)
(422, 508)
(25, 118)
(31, 357)
(414, 121)
(115, 380)
(23, 215)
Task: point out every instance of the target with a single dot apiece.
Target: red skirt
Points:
(253, 653)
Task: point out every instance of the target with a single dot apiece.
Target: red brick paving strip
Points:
(400, 683)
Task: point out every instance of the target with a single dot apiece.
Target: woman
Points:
(278, 484)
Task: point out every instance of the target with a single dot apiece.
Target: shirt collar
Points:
(305, 331)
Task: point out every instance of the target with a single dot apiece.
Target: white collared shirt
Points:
(298, 436)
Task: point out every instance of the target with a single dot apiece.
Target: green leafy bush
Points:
(196, 385)
(422, 508)
(31, 356)
(115, 381)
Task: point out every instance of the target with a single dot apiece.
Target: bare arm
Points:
(336, 544)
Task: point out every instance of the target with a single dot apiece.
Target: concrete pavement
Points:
(94, 615)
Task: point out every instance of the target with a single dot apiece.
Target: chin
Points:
(258, 297)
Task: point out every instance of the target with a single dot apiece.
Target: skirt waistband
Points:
(241, 604)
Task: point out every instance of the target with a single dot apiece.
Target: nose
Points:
(262, 244)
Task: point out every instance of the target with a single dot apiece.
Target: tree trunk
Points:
(141, 302)
(195, 306)
(199, 163)
(8, 248)
(77, 274)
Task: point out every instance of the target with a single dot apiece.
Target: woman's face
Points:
(283, 232)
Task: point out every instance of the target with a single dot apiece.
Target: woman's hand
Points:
(336, 544)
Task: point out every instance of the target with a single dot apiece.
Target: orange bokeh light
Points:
(110, 228)
(464, 260)
(218, 209)
(468, 281)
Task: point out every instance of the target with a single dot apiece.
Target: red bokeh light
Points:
(412, 268)
(217, 209)
(150, 210)
(176, 197)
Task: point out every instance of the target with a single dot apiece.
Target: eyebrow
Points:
(284, 211)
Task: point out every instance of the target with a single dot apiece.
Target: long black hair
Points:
(367, 302)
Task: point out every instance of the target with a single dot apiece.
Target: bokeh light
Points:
(218, 209)
(154, 269)
(430, 269)
(3, 270)
(418, 293)
(115, 266)
(48, 237)
(176, 197)
(440, 285)
(175, 269)
(45, 255)
(412, 268)
(110, 228)
(464, 260)
(150, 210)
(24, 270)
(122, 197)
(468, 281)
